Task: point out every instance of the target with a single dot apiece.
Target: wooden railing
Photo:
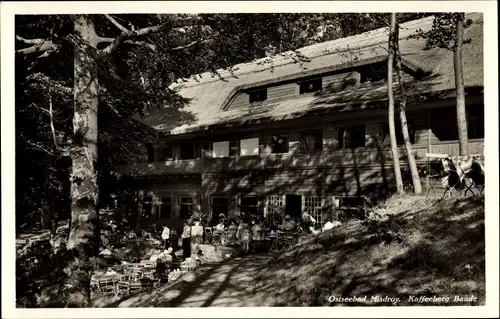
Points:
(161, 168)
(451, 147)
(357, 157)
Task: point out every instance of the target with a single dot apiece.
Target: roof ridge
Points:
(281, 59)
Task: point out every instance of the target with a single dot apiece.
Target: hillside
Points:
(410, 247)
(425, 247)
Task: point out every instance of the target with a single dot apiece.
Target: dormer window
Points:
(258, 95)
(310, 86)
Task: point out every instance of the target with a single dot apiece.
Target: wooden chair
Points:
(108, 285)
(208, 235)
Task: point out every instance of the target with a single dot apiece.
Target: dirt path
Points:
(228, 284)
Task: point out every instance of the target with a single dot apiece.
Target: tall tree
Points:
(417, 186)
(390, 94)
(83, 241)
(463, 142)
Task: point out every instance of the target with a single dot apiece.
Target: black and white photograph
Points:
(264, 154)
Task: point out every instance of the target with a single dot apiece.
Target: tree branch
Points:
(30, 41)
(51, 114)
(37, 147)
(39, 45)
(150, 46)
(187, 46)
(113, 46)
(117, 24)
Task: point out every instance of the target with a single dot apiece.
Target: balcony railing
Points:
(161, 168)
(356, 157)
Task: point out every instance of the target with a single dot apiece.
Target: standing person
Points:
(257, 234)
(197, 232)
(232, 231)
(186, 240)
(244, 234)
(165, 235)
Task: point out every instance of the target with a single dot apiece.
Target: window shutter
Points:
(266, 204)
(302, 209)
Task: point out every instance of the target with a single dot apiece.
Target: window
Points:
(399, 133)
(374, 72)
(189, 150)
(150, 152)
(147, 206)
(220, 205)
(352, 136)
(186, 206)
(257, 95)
(309, 86)
(220, 149)
(475, 122)
(249, 205)
(311, 141)
(444, 123)
(249, 146)
(275, 208)
(234, 148)
(165, 153)
(165, 207)
(279, 143)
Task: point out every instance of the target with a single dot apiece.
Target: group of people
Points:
(192, 234)
(242, 229)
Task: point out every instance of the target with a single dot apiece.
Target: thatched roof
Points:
(209, 95)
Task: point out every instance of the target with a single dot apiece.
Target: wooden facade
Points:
(318, 175)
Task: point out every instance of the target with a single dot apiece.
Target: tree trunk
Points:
(417, 186)
(463, 142)
(83, 240)
(390, 93)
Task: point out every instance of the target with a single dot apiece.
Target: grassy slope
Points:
(422, 249)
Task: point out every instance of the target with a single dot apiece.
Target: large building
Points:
(283, 136)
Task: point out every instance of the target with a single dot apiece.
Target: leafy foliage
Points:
(443, 31)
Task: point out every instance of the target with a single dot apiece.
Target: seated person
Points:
(232, 230)
(289, 224)
(274, 227)
(331, 224)
(132, 234)
(308, 222)
(219, 228)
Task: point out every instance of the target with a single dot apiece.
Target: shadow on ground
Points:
(225, 284)
(428, 247)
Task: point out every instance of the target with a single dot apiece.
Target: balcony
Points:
(356, 157)
(161, 168)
